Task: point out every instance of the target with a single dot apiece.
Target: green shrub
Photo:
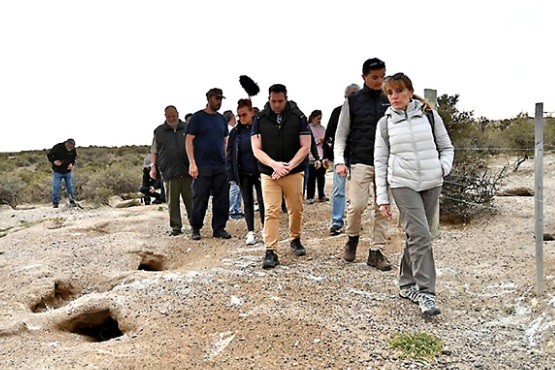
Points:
(419, 346)
(10, 190)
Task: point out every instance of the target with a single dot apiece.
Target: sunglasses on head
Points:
(396, 76)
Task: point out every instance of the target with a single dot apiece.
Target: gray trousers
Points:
(417, 210)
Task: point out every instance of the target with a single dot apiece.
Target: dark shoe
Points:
(351, 249)
(222, 234)
(270, 260)
(298, 247)
(195, 233)
(55, 205)
(72, 203)
(147, 201)
(157, 201)
(377, 259)
(335, 230)
(310, 201)
(323, 199)
(175, 232)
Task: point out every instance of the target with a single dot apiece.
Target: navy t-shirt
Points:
(210, 131)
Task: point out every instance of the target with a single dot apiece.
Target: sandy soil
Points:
(105, 288)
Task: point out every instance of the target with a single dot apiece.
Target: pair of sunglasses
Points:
(396, 76)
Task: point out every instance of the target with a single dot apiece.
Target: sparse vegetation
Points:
(418, 346)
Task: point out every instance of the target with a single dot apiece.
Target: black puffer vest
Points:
(366, 107)
(281, 142)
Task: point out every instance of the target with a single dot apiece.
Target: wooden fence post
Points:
(431, 96)
(538, 196)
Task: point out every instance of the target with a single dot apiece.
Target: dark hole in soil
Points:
(96, 326)
(152, 263)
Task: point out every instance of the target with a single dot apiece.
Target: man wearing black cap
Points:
(62, 156)
(206, 142)
(357, 125)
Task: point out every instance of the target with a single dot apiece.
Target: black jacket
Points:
(281, 142)
(172, 157)
(329, 136)
(232, 153)
(366, 107)
(59, 152)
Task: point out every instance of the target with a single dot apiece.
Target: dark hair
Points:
(228, 114)
(188, 115)
(314, 114)
(169, 107)
(371, 65)
(244, 103)
(277, 88)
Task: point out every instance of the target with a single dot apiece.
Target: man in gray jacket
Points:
(357, 127)
(168, 154)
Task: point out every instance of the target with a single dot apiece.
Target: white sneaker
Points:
(251, 239)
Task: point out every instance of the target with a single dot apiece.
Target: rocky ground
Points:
(104, 288)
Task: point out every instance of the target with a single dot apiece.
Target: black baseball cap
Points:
(371, 65)
(215, 92)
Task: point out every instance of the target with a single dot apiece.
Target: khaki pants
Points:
(362, 180)
(290, 187)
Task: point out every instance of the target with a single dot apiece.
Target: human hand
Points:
(57, 162)
(317, 164)
(193, 171)
(341, 170)
(153, 172)
(281, 169)
(385, 209)
(326, 163)
(69, 166)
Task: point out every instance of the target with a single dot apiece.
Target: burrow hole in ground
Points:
(94, 326)
(152, 262)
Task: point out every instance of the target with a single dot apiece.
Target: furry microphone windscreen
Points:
(249, 85)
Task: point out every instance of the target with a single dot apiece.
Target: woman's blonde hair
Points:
(402, 81)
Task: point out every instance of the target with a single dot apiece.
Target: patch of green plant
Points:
(418, 346)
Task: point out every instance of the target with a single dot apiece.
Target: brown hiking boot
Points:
(351, 249)
(377, 259)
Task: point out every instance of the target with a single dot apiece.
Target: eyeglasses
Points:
(396, 76)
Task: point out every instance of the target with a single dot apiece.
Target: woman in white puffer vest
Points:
(412, 154)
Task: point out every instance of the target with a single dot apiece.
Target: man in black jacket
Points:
(62, 156)
(167, 153)
(338, 193)
(281, 143)
(357, 126)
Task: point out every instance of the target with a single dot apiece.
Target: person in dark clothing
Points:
(281, 142)
(206, 144)
(316, 168)
(149, 186)
(339, 182)
(357, 125)
(62, 156)
(167, 154)
(242, 166)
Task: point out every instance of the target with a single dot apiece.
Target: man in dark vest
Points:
(167, 154)
(281, 143)
(357, 126)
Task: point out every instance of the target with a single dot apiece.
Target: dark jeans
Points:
(247, 183)
(315, 175)
(211, 181)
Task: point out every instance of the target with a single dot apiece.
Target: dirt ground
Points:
(105, 288)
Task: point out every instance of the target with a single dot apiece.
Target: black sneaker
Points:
(270, 260)
(335, 230)
(298, 247)
(195, 233)
(175, 232)
(55, 205)
(222, 234)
